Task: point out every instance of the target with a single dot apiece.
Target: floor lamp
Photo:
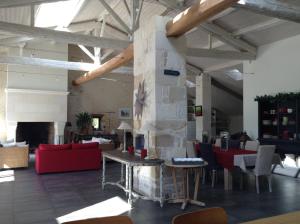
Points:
(124, 126)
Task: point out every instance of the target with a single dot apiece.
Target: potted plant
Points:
(84, 121)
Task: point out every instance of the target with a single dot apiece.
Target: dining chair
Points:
(234, 144)
(218, 142)
(215, 215)
(190, 149)
(207, 154)
(263, 165)
(252, 145)
(122, 219)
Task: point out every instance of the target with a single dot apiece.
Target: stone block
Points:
(164, 140)
(175, 125)
(177, 94)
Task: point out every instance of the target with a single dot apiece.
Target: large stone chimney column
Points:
(165, 102)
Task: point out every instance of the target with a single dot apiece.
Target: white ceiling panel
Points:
(20, 15)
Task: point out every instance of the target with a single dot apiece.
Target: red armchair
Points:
(67, 157)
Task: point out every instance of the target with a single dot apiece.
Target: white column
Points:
(59, 128)
(203, 98)
(11, 130)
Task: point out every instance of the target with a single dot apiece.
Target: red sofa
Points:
(68, 157)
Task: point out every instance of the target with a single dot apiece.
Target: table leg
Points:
(187, 185)
(161, 185)
(103, 171)
(130, 185)
(196, 184)
(174, 181)
(185, 189)
(126, 179)
(227, 179)
(122, 173)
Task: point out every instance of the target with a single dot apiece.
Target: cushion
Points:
(101, 140)
(54, 147)
(85, 146)
(13, 144)
(9, 141)
(86, 141)
(20, 144)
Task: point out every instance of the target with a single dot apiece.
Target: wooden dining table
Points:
(288, 218)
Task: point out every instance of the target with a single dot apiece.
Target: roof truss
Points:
(78, 66)
(62, 36)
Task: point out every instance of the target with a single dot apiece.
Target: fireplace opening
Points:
(35, 133)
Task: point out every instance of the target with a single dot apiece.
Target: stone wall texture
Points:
(165, 106)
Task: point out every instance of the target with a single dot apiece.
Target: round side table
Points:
(186, 169)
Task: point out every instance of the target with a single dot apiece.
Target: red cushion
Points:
(54, 147)
(85, 146)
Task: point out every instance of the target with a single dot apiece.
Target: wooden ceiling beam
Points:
(192, 16)
(121, 59)
(182, 23)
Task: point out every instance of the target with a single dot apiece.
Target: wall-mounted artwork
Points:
(140, 100)
(125, 113)
(198, 111)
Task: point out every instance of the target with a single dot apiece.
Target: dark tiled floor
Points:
(34, 199)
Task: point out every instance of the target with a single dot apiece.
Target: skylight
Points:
(59, 14)
(235, 74)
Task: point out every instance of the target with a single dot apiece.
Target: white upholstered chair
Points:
(263, 165)
(252, 145)
(190, 149)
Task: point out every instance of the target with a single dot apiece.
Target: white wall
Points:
(38, 77)
(35, 93)
(225, 102)
(235, 124)
(276, 69)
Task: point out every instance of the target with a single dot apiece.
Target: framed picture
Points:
(125, 113)
(198, 111)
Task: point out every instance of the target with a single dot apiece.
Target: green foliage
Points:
(278, 97)
(84, 120)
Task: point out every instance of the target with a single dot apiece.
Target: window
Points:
(97, 121)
